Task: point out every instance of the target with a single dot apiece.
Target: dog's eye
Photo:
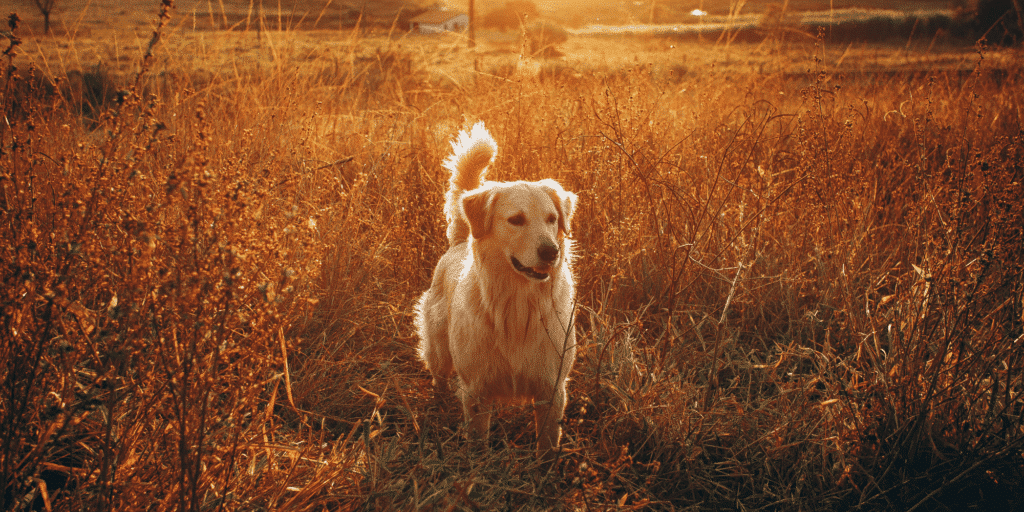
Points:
(552, 219)
(517, 220)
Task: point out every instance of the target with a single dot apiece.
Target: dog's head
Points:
(528, 221)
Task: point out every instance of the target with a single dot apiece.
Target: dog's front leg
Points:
(548, 416)
(477, 414)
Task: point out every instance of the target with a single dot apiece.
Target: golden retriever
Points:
(499, 311)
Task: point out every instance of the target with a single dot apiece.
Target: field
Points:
(799, 261)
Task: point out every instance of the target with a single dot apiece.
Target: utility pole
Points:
(472, 24)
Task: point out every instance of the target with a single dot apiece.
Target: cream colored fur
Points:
(499, 311)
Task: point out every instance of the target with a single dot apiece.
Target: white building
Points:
(434, 22)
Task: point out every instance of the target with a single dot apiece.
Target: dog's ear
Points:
(565, 202)
(476, 207)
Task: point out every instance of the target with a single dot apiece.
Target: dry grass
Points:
(797, 290)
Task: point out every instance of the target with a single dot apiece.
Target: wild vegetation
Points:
(797, 290)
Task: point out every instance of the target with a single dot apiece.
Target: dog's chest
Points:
(527, 329)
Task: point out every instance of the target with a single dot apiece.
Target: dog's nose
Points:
(548, 252)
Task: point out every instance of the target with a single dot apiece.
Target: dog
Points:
(499, 310)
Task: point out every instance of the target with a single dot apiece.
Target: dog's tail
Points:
(472, 153)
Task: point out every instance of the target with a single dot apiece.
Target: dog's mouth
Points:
(529, 272)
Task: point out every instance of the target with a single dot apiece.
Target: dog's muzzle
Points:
(547, 253)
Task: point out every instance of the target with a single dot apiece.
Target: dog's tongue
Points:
(536, 275)
(533, 272)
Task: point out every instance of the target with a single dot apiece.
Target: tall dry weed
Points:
(150, 279)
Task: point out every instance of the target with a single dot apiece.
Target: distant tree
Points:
(543, 37)
(1002, 20)
(46, 7)
(512, 15)
(523, 8)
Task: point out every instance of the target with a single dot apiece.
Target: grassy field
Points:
(799, 266)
